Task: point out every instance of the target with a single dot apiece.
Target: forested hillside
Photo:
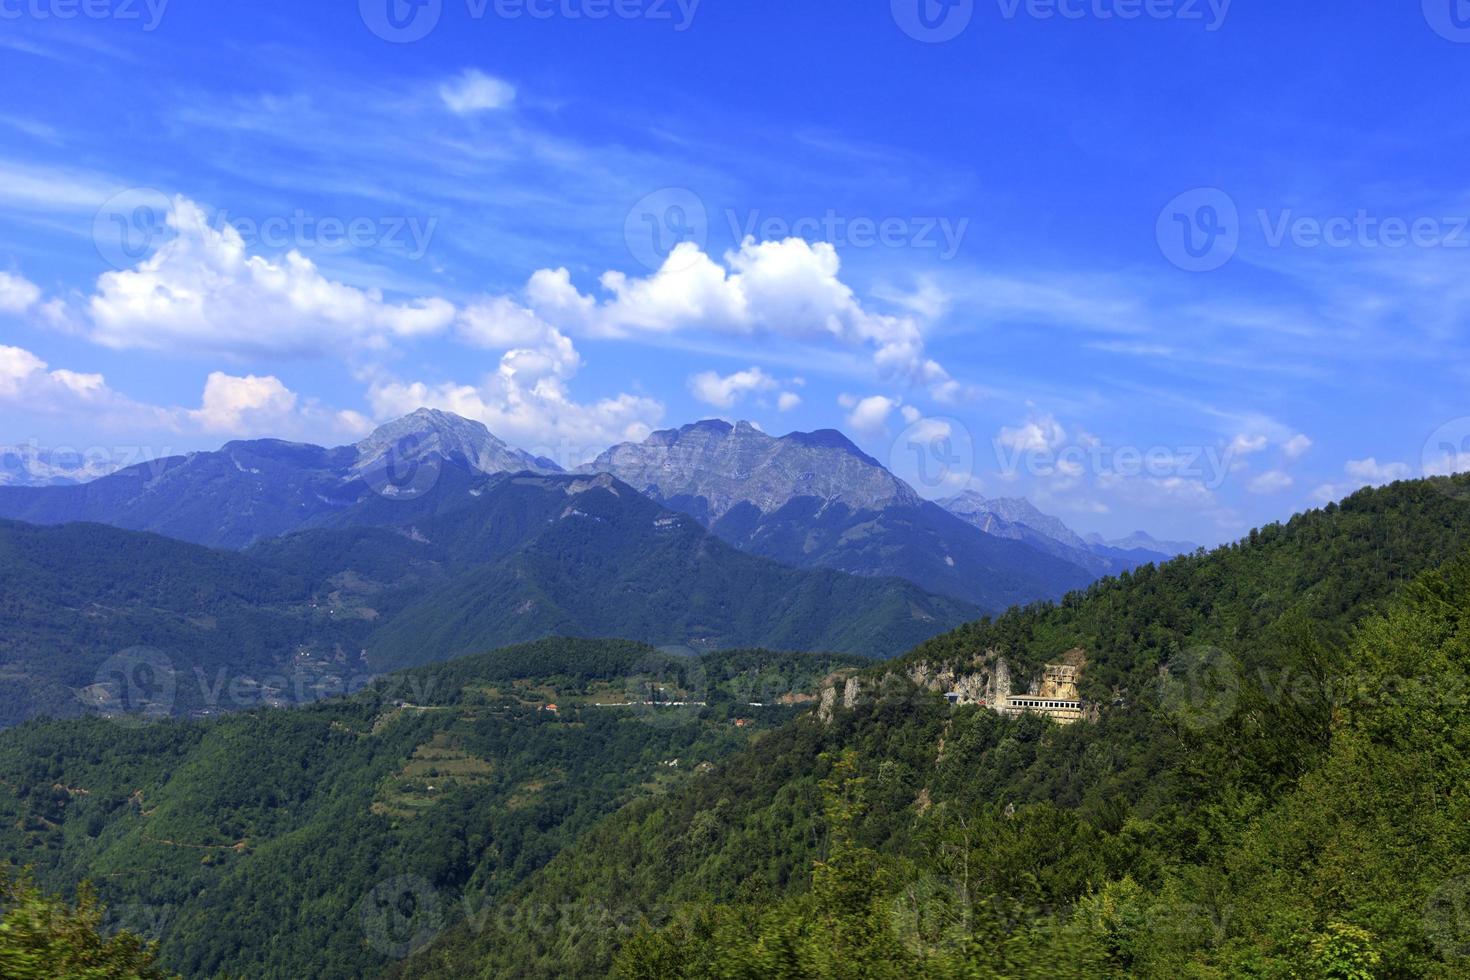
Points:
(326, 841)
(1274, 785)
(111, 621)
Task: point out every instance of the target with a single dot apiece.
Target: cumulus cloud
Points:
(724, 392)
(540, 417)
(474, 91)
(27, 383)
(1040, 434)
(1370, 471)
(264, 406)
(869, 415)
(1296, 447)
(788, 288)
(1361, 473)
(1448, 459)
(1246, 445)
(229, 405)
(788, 401)
(17, 294)
(200, 290)
(1272, 481)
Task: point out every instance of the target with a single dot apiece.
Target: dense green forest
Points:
(328, 840)
(1275, 786)
(1272, 781)
(109, 621)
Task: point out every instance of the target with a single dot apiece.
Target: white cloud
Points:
(541, 417)
(931, 431)
(263, 406)
(474, 91)
(724, 392)
(1452, 459)
(1246, 445)
(1370, 471)
(788, 401)
(788, 288)
(260, 406)
(201, 291)
(1041, 434)
(870, 414)
(1296, 447)
(27, 384)
(1273, 481)
(17, 294)
(1361, 473)
(238, 405)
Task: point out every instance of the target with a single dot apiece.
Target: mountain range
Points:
(474, 563)
(432, 538)
(809, 500)
(816, 500)
(32, 466)
(1018, 519)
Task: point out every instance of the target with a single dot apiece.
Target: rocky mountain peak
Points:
(429, 431)
(727, 465)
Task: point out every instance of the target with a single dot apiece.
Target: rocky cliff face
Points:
(429, 432)
(712, 467)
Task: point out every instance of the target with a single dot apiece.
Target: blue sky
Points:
(1175, 264)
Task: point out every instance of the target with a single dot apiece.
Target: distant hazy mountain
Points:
(1143, 541)
(249, 491)
(31, 466)
(475, 563)
(1019, 519)
(816, 500)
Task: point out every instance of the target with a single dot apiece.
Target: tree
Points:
(42, 937)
